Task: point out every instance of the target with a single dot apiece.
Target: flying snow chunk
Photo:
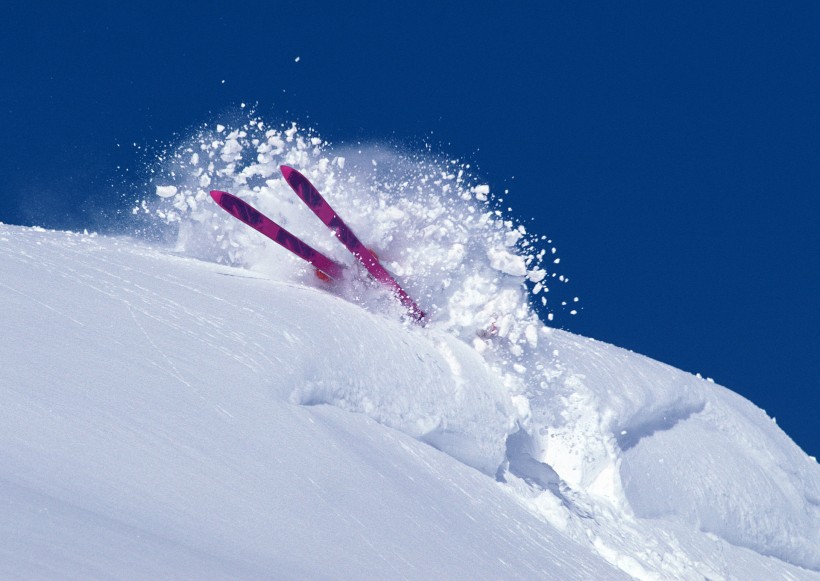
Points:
(537, 274)
(481, 192)
(506, 262)
(166, 191)
(232, 151)
(511, 238)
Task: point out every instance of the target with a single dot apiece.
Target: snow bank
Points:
(667, 445)
(165, 415)
(148, 430)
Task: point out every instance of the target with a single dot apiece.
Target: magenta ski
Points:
(314, 200)
(258, 221)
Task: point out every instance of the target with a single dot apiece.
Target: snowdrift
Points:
(207, 408)
(168, 417)
(149, 430)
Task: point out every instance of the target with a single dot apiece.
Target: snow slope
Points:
(207, 408)
(148, 430)
(167, 417)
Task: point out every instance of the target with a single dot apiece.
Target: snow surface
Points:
(213, 410)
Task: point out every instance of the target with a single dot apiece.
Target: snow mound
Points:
(200, 414)
(667, 445)
(148, 430)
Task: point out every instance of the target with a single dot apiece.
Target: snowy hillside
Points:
(164, 417)
(210, 409)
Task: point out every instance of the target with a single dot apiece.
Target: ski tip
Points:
(217, 196)
(289, 172)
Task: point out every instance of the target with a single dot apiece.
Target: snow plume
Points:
(433, 225)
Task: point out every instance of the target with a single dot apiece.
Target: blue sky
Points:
(670, 149)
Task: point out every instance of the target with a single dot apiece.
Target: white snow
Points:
(212, 410)
(149, 429)
(168, 191)
(481, 192)
(166, 417)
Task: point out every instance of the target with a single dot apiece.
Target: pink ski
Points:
(258, 221)
(314, 200)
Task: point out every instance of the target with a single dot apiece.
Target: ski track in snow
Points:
(201, 412)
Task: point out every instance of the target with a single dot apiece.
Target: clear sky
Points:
(671, 150)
